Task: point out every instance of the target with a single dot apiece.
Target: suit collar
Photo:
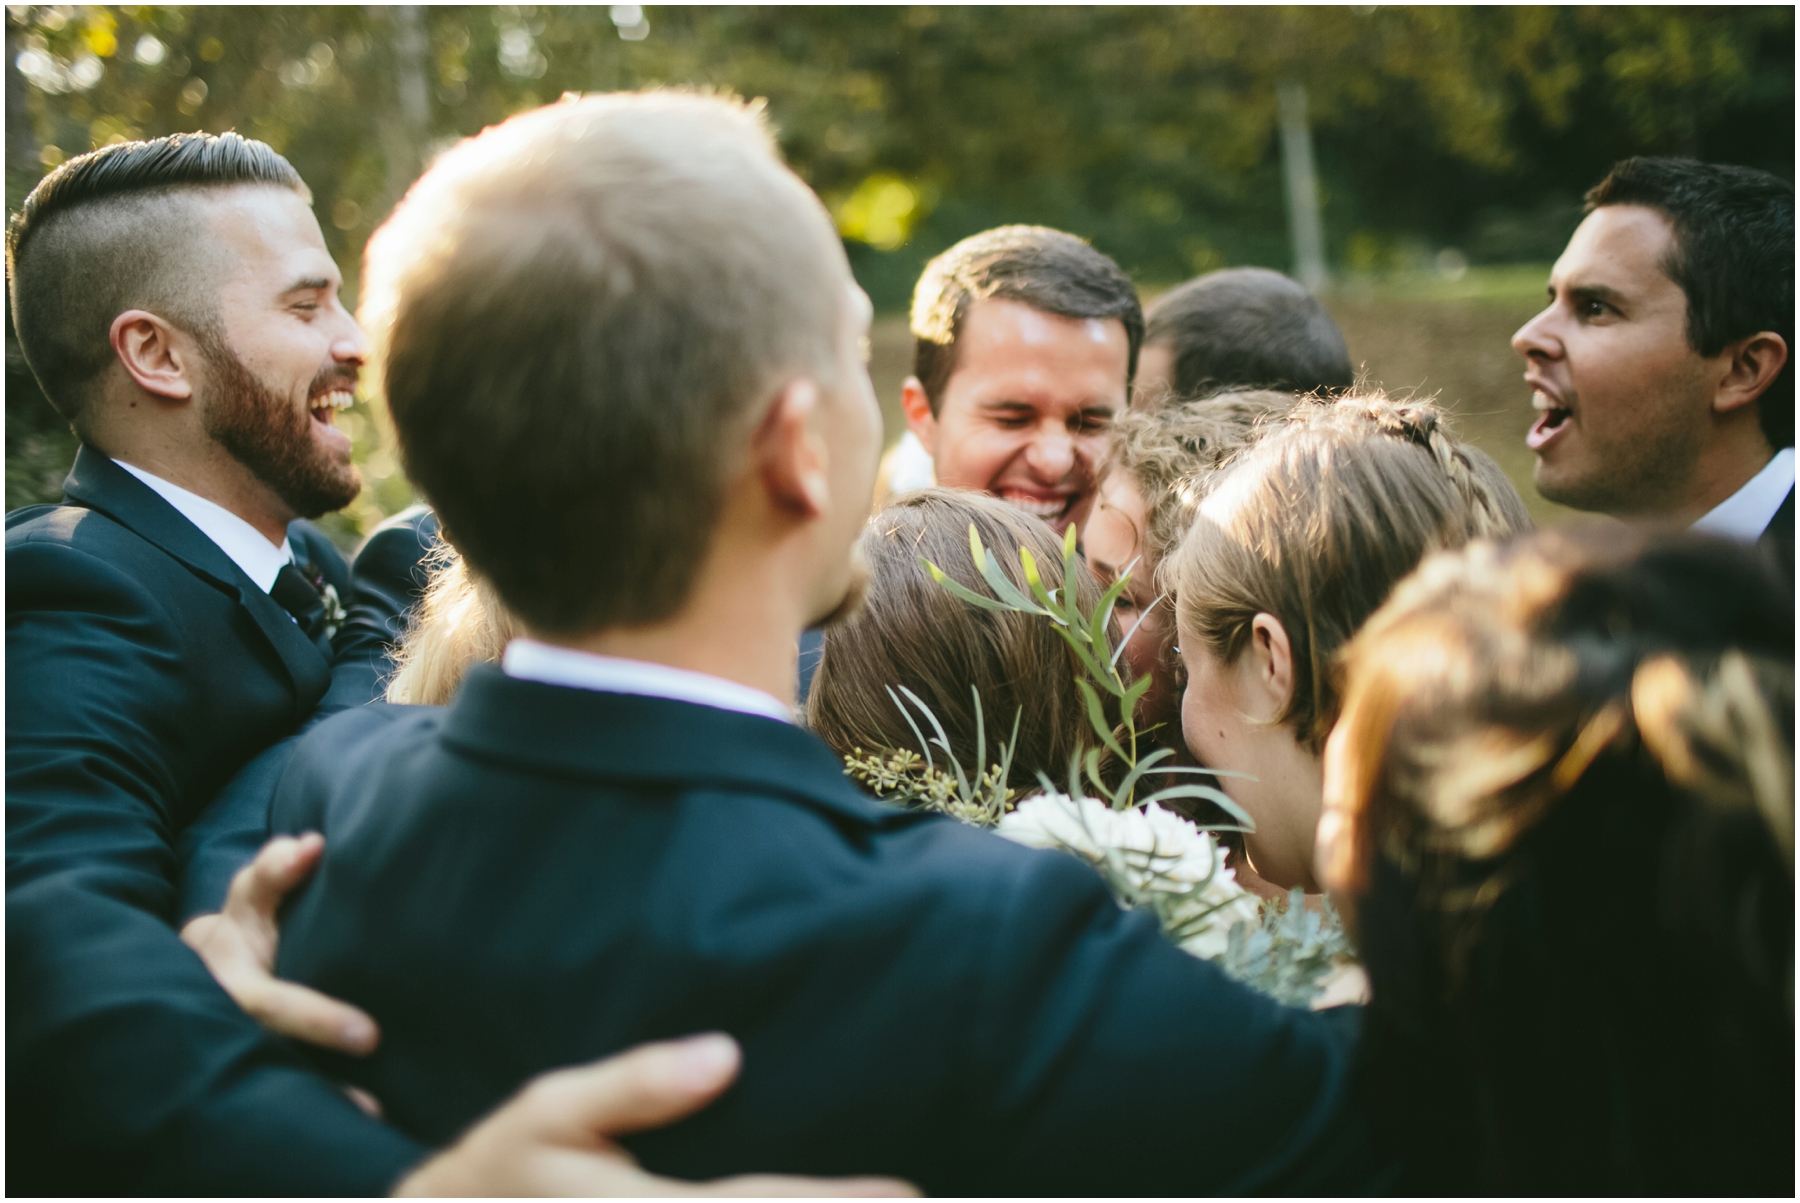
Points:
(627, 737)
(96, 483)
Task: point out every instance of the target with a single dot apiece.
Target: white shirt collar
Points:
(529, 660)
(1747, 513)
(260, 559)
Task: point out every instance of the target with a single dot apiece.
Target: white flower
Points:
(1150, 857)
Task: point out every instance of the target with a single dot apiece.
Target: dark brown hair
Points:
(1248, 328)
(114, 230)
(913, 632)
(1034, 265)
(1565, 770)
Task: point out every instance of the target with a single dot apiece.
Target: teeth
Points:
(1542, 403)
(339, 399)
(1038, 508)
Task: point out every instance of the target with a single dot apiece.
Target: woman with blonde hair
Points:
(461, 622)
(1293, 547)
(1560, 814)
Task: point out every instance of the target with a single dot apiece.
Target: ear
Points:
(158, 358)
(1751, 366)
(1271, 662)
(919, 418)
(790, 452)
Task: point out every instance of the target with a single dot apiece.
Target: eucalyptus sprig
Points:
(906, 778)
(1087, 637)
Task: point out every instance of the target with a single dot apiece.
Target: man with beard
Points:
(1660, 368)
(166, 623)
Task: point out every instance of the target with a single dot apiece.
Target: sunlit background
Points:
(1420, 167)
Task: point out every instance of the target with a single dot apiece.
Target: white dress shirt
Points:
(1746, 513)
(529, 660)
(260, 559)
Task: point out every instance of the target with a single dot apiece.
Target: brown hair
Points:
(1034, 265)
(1248, 327)
(1317, 522)
(579, 310)
(1565, 762)
(913, 633)
(460, 622)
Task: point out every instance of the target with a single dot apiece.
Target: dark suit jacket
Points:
(537, 875)
(1778, 537)
(143, 669)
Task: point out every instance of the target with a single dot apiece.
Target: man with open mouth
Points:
(1660, 369)
(1025, 341)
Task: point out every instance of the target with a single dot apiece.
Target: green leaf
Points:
(924, 744)
(1093, 771)
(966, 594)
(1097, 718)
(1207, 792)
(943, 741)
(1143, 766)
(1137, 689)
(989, 568)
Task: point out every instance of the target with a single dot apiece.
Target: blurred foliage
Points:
(1148, 130)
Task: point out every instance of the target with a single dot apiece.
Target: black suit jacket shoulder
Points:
(143, 668)
(538, 875)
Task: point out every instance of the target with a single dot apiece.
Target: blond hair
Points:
(1318, 521)
(913, 633)
(461, 622)
(577, 314)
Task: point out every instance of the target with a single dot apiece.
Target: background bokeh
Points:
(1453, 144)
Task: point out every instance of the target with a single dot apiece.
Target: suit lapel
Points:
(96, 483)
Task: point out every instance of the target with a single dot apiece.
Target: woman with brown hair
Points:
(1560, 814)
(913, 635)
(1294, 546)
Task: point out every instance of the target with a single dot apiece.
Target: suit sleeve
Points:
(128, 1068)
(1226, 1091)
(387, 582)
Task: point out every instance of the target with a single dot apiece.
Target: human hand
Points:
(555, 1136)
(238, 945)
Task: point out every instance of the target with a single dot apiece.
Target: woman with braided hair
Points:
(1560, 817)
(1294, 546)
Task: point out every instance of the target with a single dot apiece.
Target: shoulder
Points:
(350, 746)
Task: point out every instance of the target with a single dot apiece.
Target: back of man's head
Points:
(1248, 327)
(1733, 255)
(1036, 266)
(576, 313)
(121, 228)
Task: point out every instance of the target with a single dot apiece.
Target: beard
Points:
(264, 432)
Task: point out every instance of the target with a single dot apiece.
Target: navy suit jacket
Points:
(144, 669)
(537, 875)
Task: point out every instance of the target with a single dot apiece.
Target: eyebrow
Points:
(1597, 292)
(308, 284)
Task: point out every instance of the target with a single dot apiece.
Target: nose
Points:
(1535, 340)
(351, 346)
(1051, 455)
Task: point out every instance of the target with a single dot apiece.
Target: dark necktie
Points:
(301, 591)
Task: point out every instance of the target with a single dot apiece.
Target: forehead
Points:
(1001, 336)
(1626, 243)
(269, 230)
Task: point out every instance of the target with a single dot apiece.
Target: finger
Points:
(283, 863)
(304, 1014)
(777, 1186)
(370, 1105)
(644, 1087)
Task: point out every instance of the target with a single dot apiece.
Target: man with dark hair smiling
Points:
(165, 624)
(1025, 341)
(1661, 368)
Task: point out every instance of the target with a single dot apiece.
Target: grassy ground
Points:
(1420, 335)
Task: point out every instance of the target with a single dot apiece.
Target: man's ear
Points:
(919, 418)
(790, 452)
(1271, 662)
(1752, 365)
(158, 358)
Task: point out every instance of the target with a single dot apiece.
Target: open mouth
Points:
(1551, 420)
(1050, 509)
(326, 405)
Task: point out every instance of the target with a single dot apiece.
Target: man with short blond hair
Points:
(619, 329)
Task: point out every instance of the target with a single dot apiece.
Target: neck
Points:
(741, 622)
(207, 470)
(1721, 470)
